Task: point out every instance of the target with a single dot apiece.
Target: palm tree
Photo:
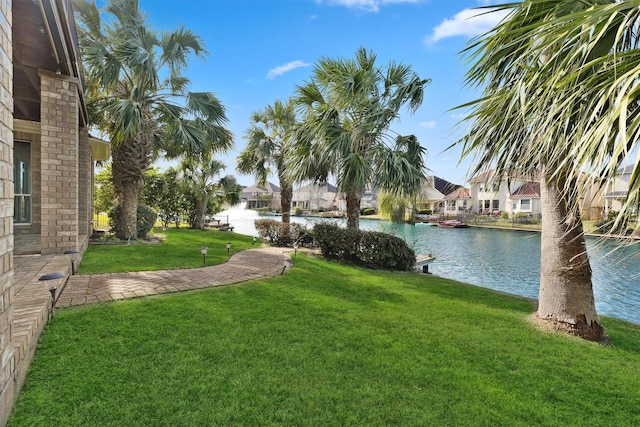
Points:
(129, 98)
(269, 136)
(560, 100)
(199, 175)
(348, 108)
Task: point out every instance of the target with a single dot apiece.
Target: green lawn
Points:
(180, 249)
(327, 345)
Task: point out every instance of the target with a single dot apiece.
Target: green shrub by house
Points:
(146, 218)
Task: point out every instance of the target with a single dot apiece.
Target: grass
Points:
(179, 249)
(327, 345)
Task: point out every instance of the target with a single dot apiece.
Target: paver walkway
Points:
(245, 265)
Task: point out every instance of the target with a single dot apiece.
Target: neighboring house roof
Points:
(267, 188)
(616, 195)
(625, 170)
(490, 176)
(316, 187)
(527, 190)
(458, 194)
(444, 186)
(483, 177)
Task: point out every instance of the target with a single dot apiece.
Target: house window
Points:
(451, 205)
(22, 182)
(495, 205)
(525, 205)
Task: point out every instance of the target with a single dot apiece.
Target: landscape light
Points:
(73, 253)
(203, 251)
(52, 289)
(295, 249)
(228, 248)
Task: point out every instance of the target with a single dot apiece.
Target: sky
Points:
(259, 50)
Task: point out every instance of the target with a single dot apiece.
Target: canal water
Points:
(504, 260)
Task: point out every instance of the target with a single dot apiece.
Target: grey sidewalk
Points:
(245, 265)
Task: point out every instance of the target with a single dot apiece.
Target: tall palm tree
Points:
(268, 141)
(138, 96)
(348, 108)
(560, 99)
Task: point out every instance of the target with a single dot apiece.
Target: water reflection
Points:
(503, 260)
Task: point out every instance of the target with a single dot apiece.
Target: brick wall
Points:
(85, 199)
(7, 365)
(59, 163)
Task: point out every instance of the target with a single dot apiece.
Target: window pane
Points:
(22, 182)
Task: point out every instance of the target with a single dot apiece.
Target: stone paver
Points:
(245, 265)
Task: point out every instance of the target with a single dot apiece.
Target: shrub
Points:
(337, 243)
(276, 232)
(381, 250)
(368, 248)
(301, 234)
(297, 211)
(367, 211)
(146, 218)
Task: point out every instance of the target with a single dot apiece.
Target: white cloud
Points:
(274, 72)
(367, 5)
(468, 22)
(429, 125)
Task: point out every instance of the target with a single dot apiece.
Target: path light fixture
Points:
(203, 251)
(52, 289)
(228, 248)
(73, 254)
(254, 240)
(295, 249)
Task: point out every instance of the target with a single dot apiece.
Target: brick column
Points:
(59, 162)
(7, 292)
(85, 172)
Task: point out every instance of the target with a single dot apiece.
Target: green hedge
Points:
(368, 248)
(146, 218)
(280, 234)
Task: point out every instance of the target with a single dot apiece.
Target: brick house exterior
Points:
(7, 363)
(46, 170)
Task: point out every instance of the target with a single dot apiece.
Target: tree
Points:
(348, 108)
(269, 138)
(560, 100)
(128, 96)
(104, 197)
(163, 192)
(198, 174)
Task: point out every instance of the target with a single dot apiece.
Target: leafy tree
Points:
(348, 108)
(268, 141)
(164, 193)
(128, 96)
(104, 195)
(392, 207)
(560, 99)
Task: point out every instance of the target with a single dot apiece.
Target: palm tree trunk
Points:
(201, 211)
(286, 194)
(129, 162)
(128, 183)
(353, 211)
(566, 298)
